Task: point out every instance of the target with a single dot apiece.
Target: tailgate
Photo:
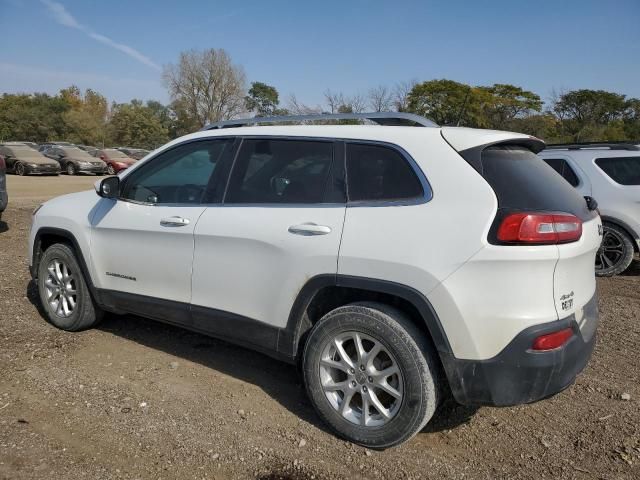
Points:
(574, 285)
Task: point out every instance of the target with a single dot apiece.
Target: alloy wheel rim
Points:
(361, 379)
(70, 169)
(60, 286)
(111, 170)
(611, 250)
(20, 169)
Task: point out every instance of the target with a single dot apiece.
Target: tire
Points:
(403, 346)
(85, 314)
(616, 252)
(20, 169)
(71, 169)
(111, 170)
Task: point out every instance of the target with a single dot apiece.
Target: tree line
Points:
(206, 86)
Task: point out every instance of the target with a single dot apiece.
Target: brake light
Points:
(551, 341)
(540, 228)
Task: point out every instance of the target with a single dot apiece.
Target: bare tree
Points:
(401, 95)
(209, 86)
(338, 103)
(380, 99)
(295, 107)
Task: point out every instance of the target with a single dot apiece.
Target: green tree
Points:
(502, 103)
(34, 117)
(136, 125)
(262, 99)
(589, 115)
(446, 102)
(86, 119)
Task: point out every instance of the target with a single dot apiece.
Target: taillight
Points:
(551, 341)
(540, 228)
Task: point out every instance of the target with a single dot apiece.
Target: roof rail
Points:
(626, 145)
(381, 118)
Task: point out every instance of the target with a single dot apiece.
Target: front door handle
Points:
(309, 229)
(174, 222)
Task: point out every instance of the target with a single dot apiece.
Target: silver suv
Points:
(610, 173)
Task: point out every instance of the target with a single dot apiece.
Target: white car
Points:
(396, 264)
(610, 173)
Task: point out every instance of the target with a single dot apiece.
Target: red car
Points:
(115, 159)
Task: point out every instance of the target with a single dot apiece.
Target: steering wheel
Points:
(189, 193)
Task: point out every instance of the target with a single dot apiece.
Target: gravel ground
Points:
(138, 399)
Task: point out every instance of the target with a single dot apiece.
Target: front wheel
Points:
(63, 291)
(20, 169)
(111, 170)
(371, 374)
(615, 253)
(71, 169)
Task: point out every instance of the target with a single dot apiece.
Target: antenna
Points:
(464, 106)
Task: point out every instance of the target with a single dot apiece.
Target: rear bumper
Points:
(519, 375)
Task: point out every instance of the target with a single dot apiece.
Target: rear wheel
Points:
(615, 253)
(63, 290)
(20, 169)
(371, 374)
(71, 169)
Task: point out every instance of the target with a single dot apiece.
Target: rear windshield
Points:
(622, 170)
(524, 182)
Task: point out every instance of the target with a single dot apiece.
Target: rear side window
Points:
(377, 172)
(563, 168)
(280, 171)
(622, 170)
(522, 182)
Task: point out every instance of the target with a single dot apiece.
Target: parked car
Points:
(33, 145)
(4, 198)
(135, 153)
(87, 148)
(73, 160)
(23, 160)
(46, 145)
(116, 160)
(610, 173)
(392, 263)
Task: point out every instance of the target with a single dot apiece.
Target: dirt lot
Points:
(138, 399)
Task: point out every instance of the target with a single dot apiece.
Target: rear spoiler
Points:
(470, 142)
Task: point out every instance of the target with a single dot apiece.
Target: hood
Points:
(36, 160)
(81, 158)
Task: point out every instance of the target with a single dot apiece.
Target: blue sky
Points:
(303, 48)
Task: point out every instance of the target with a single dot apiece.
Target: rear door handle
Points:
(308, 229)
(174, 222)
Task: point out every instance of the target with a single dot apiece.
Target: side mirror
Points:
(108, 187)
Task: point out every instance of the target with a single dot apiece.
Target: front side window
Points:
(184, 174)
(280, 171)
(622, 170)
(380, 173)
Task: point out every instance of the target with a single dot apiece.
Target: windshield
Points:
(24, 152)
(76, 153)
(113, 153)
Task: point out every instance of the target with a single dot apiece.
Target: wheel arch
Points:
(623, 225)
(323, 293)
(47, 236)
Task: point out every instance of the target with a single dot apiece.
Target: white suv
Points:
(610, 173)
(396, 264)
